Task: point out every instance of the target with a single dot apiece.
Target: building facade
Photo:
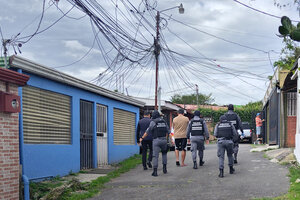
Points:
(67, 124)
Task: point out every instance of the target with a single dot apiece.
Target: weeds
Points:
(60, 189)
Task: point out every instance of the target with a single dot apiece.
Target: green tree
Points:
(192, 99)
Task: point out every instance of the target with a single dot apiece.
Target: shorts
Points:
(180, 144)
(258, 130)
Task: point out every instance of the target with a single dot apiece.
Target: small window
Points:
(291, 104)
(101, 119)
(46, 117)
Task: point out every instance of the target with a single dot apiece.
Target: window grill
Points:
(292, 104)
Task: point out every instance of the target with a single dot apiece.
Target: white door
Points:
(102, 135)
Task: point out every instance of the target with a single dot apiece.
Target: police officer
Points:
(236, 121)
(196, 133)
(146, 143)
(159, 129)
(226, 134)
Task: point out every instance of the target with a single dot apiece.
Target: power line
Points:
(265, 13)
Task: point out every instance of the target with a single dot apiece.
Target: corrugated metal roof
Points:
(40, 70)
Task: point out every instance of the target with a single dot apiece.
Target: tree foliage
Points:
(192, 99)
(247, 112)
(289, 54)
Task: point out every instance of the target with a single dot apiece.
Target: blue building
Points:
(67, 124)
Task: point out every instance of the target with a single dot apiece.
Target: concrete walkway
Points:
(255, 176)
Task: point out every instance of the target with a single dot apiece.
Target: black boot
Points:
(149, 164)
(231, 170)
(165, 169)
(235, 161)
(201, 163)
(154, 172)
(221, 174)
(195, 165)
(145, 168)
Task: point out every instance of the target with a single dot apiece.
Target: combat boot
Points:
(231, 170)
(149, 164)
(201, 163)
(154, 172)
(221, 174)
(195, 165)
(165, 169)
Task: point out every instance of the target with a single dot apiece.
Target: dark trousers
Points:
(146, 144)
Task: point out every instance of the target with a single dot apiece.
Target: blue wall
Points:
(44, 160)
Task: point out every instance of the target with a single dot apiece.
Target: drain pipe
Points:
(21, 146)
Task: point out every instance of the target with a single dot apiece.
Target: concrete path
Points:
(255, 176)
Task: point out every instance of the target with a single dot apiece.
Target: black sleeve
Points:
(138, 129)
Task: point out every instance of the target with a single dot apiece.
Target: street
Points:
(255, 176)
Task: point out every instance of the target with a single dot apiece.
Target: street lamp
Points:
(157, 45)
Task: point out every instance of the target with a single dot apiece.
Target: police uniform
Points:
(226, 134)
(236, 121)
(197, 132)
(159, 130)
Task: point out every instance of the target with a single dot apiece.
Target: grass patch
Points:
(76, 190)
(267, 157)
(40, 189)
(294, 191)
(257, 145)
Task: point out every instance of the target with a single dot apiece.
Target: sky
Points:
(227, 49)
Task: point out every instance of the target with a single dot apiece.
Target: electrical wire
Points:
(265, 13)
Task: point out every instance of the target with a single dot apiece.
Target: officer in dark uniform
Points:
(142, 126)
(196, 133)
(236, 121)
(226, 134)
(159, 130)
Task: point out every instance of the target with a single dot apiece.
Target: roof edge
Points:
(35, 68)
(10, 76)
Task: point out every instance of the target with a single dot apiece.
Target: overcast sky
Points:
(231, 48)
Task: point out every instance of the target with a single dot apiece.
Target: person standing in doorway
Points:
(146, 143)
(180, 124)
(258, 122)
(236, 121)
(226, 134)
(196, 133)
(159, 129)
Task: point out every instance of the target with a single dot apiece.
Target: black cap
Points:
(230, 107)
(197, 113)
(181, 111)
(222, 118)
(155, 114)
(146, 113)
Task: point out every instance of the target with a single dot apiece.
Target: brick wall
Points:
(9, 151)
(291, 131)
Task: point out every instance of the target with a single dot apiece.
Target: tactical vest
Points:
(197, 127)
(160, 128)
(233, 119)
(225, 130)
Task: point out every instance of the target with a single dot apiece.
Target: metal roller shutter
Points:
(124, 127)
(46, 117)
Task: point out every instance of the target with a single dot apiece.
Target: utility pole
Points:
(159, 99)
(156, 53)
(157, 46)
(197, 96)
(4, 43)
